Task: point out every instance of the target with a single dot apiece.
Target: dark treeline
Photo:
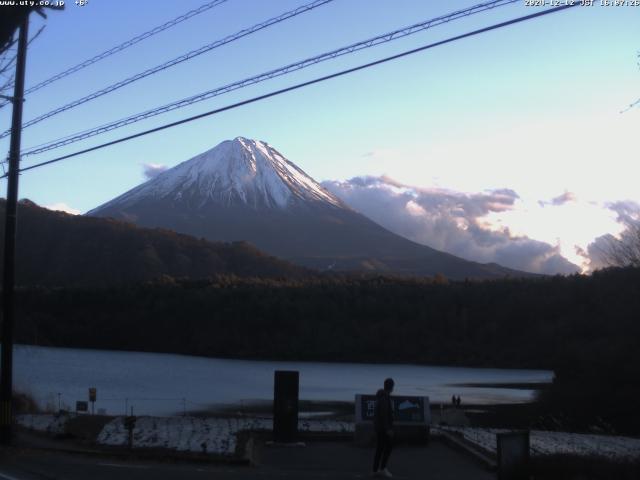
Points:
(58, 249)
(586, 329)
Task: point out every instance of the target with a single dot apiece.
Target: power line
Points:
(125, 45)
(303, 84)
(631, 105)
(637, 102)
(380, 39)
(182, 58)
(7, 65)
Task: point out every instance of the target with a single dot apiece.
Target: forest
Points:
(58, 249)
(584, 328)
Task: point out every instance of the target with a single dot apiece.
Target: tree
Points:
(8, 55)
(7, 64)
(623, 252)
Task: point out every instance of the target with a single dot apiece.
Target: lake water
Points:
(164, 384)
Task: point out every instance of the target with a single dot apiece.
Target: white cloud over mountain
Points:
(453, 222)
(152, 170)
(63, 207)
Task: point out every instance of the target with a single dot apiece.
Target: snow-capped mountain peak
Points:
(245, 190)
(238, 171)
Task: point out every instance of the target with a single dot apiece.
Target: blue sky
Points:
(533, 108)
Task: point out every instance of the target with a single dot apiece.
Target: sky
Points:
(512, 146)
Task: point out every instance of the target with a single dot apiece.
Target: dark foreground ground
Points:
(316, 460)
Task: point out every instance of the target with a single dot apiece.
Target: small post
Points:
(513, 455)
(129, 424)
(92, 398)
(285, 405)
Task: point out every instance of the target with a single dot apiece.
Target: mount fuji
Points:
(246, 190)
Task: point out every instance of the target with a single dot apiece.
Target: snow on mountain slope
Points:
(239, 171)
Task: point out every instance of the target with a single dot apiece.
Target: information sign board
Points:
(406, 409)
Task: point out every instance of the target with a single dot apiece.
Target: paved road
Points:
(344, 460)
(328, 460)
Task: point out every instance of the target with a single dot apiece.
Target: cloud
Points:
(605, 250)
(628, 211)
(450, 221)
(596, 254)
(152, 170)
(601, 252)
(63, 207)
(566, 197)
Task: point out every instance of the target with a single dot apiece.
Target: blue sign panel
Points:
(405, 408)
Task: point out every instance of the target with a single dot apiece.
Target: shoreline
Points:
(516, 415)
(506, 385)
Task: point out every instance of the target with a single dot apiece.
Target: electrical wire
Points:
(124, 45)
(378, 40)
(175, 61)
(304, 84)
(631, 106)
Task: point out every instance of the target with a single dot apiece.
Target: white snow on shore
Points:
(190, 434)
(184, 434)
(219, 435)
(193, 434)
(552, 443)
(47, 423)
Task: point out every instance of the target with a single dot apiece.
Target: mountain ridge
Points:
(233, 172)
(55, 248)
(246, 190)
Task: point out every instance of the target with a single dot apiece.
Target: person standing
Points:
(383, 424)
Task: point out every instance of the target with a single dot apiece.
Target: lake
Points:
(165, 384)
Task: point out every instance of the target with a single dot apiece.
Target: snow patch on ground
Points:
(184, 434)
(553, 443)
(193, 434)
(48, 423)
(219, 435)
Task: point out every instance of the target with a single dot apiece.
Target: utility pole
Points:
(6, 365)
